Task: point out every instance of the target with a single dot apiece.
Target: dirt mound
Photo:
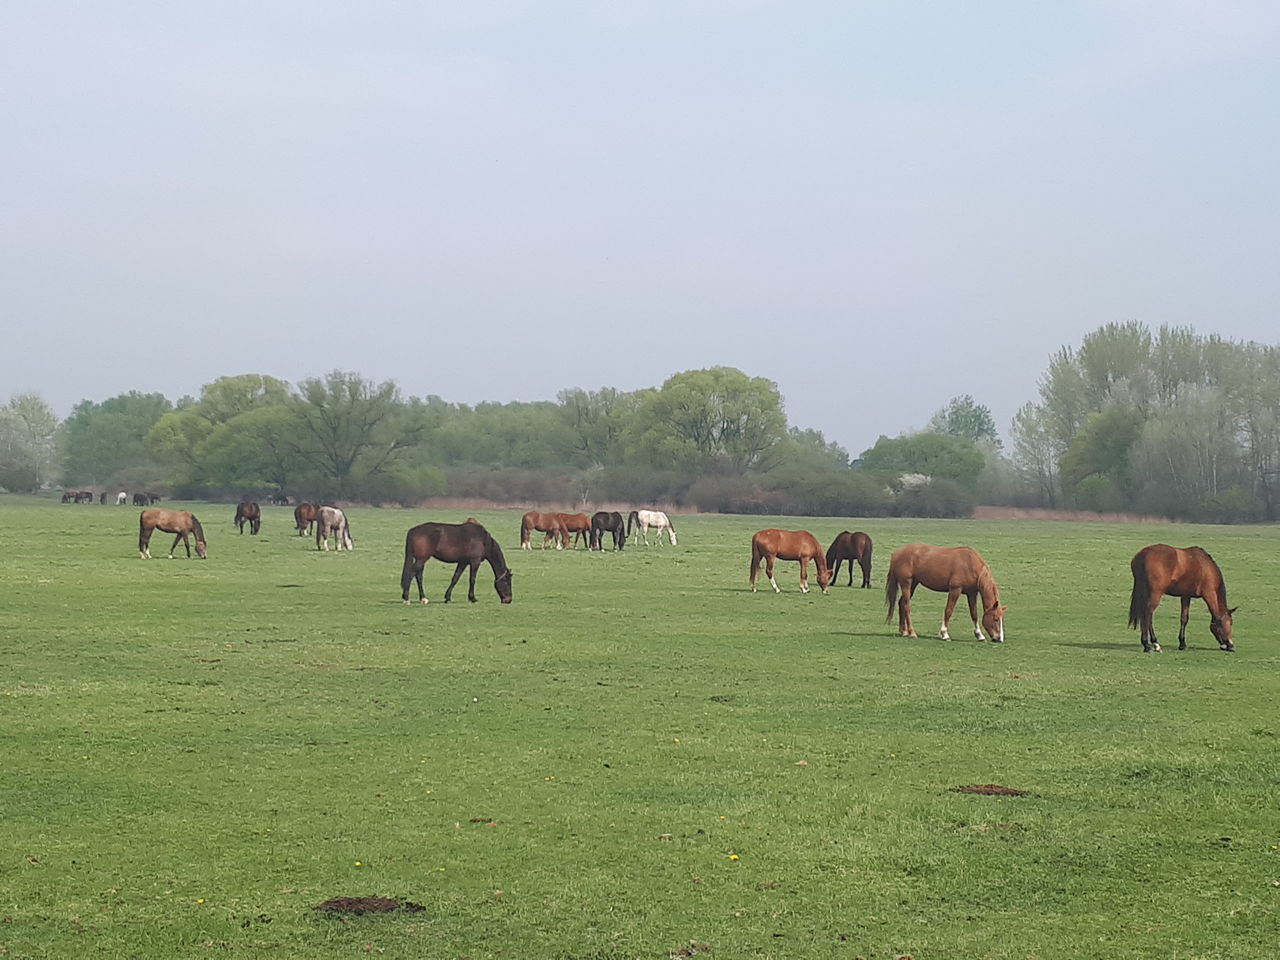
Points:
(990, 790)
(362, 905)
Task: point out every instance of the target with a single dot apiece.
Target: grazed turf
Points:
(637, 758)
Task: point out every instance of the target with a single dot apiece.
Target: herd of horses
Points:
(1158, 570)
(121, 498)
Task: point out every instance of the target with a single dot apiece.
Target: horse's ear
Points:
(1232, 611)
(1003, 608)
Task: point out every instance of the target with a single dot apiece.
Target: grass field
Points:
(637, 758)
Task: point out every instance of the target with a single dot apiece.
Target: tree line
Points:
(1167, 423)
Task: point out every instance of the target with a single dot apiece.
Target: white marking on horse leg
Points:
(945, 634)
(425, 601)
(775, 585)
(977, 632)
(804, 588)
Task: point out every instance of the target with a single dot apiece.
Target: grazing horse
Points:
(773, 544)
(644, 519)
(466, 544)
(179, 522)
(331, 520)
(548, 523)
(304, 515)
(577, 524)
(122, 499)
(279, 500)
(102, 497)
(140, 500)
(84, 496)
(1183, 572)
(950, 570)
(247, 510)
(614, 524)
(850, 547)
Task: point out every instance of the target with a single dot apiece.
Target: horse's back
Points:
(938, 568)
(1176, 571)
(786, 544)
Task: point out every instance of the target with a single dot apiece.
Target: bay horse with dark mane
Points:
(304, 515)
(577, 526)
(466, 544)
(955, 571)
(850, 547)
(547, 523)
(179, 522)
(248, 512)
(608, 521)
(1185, 573)
(773, 544)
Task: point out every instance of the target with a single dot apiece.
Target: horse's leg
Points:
(1182, 629)
(865, 562)
(804, 574)
(183, 538)
(457, 573)
(905, 629)
(953, 597)
(973, 613)
(471, 587)
(768, 570)
(406, 576)
(144, 543)
(1149, 642)
(755, 566)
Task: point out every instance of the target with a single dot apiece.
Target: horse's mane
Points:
(987, 582)
(493, 553)
(199, 530)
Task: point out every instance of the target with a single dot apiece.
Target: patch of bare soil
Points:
(362, 905)
(990, 790)
(1039, 513)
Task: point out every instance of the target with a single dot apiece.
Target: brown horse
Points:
(466, 544)
(1183, 572)
(548, 523)
(612, 522)
(250, 512)
(180, 522)
(773, 544)
(304, 515)
(950, 570)
(578, 525)
(850, 547)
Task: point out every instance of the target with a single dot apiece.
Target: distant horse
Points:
(850, 546)
(772, 544)
(547, 523)
(950, 570)
(84, 496)
(152, 498)
(179, 522)
(644, 519)
(102, 497)
(279, 500)
(1183, 572)
(331, 520)
(611, 522)
(304, 515)
(248, 511)
(122, 499)
(578, 525)
(140, 500)
(465, 544)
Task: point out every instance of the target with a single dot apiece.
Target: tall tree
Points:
(28, 454)
(100, 440)
(929, 454)
(965, 417)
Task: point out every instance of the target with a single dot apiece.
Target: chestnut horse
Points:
(577, 524)
(1183, 572)
(304, 515)
(850, 546)
(950, 570)
(548, 523)
(247, 510)
(331, 520)
(169, 521)
(612, 522)
(465, 544)
(773, 544)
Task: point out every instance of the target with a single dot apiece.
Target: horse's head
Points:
(200, 549)
(824, 577)
(993, 621)
(502, 583)
(672, 532)
(1220, 627)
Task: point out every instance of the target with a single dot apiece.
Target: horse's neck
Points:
(987, 587)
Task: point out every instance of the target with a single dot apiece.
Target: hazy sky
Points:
(878, 205)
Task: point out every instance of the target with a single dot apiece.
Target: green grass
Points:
(637, 758)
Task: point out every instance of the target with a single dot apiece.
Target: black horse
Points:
(249, 511)
(614, 524)
(465, 544)
(850, 547)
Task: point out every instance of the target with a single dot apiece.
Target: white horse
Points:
(122, 499)
(332, 520)
(644, 519)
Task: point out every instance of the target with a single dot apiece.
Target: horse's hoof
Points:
(425, 601)
(1229, 648)
(406, 601)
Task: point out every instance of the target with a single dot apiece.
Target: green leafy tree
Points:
(931, 454)
(1095, 467)
(28, 453)
(597, 420)
(965, 417)
(102, 440)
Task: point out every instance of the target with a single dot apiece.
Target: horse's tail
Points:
(890, 595)
(630, 516)
(866, 561)
(346, 533)
(1141, 595)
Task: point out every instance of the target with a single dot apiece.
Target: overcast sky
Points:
(878, 205)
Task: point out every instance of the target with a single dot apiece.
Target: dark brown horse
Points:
(577, 526)
(140, 500)
(466, 544)
(547, 523)
(773, 544)
(611, 522)
(248, 512)
(279, 499)
(1183, 572)
(950, 570)
(304, 515)
(850, 547)
(179, 522)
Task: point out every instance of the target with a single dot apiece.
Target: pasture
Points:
(637, 758)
